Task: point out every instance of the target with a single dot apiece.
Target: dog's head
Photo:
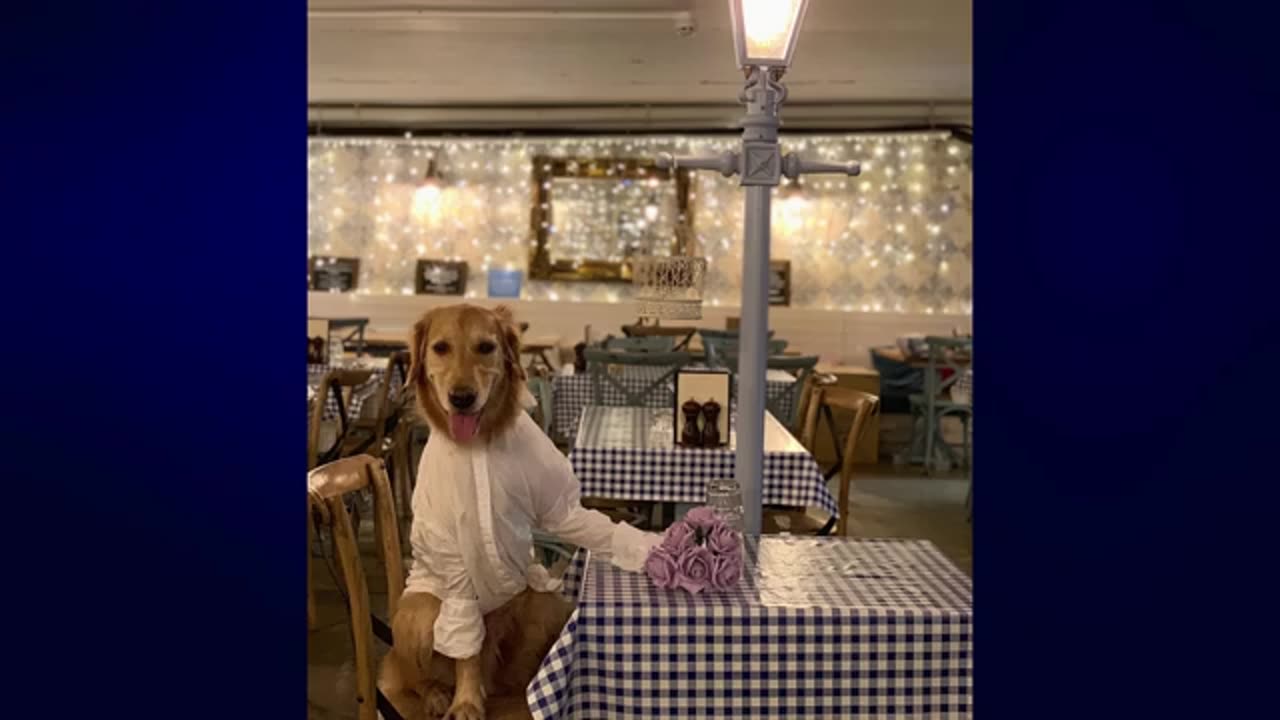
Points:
(466, 370)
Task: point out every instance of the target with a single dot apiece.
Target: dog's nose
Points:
(462, 399)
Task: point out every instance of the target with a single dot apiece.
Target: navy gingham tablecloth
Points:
(629, 453)
(571, 393)
(817, 628)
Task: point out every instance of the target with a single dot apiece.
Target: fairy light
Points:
(361, 201)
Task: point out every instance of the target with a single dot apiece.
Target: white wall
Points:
(840, 337)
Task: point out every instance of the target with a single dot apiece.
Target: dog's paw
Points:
(436, 700)
(464, 711)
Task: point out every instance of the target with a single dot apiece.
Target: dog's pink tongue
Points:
(463, 427)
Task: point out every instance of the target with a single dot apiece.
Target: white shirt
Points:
(474, 510)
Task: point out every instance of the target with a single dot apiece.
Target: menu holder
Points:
(703, 387)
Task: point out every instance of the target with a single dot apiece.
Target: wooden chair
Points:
(337, 384)
(864, 406)
(809, 392)
(328, 488)
(598, 362)
(381, 413)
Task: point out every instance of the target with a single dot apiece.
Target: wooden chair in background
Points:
(328, 489)
(326, 439)
(864, 406)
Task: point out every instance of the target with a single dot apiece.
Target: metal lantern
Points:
(669, 288)
(764, 31)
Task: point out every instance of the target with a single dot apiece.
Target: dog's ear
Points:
(510, 340)
(418, 351)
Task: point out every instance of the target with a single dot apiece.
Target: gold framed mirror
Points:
(591, 216)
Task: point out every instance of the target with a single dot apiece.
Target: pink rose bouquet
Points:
(697, 553)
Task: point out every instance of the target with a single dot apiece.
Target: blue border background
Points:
(1126, 181)
(1126, 175)
(154, 437)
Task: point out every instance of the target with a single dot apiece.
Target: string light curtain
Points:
(896, 239)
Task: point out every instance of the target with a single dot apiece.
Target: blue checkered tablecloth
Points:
(818, 628)
(571, 393)
(629, 453)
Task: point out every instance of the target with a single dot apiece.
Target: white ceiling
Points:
(849, 51)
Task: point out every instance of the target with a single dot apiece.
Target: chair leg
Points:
(930, 430)
(361, 625)
(311, 588)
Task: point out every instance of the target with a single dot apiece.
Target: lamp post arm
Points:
(793, 166)
(726, 164)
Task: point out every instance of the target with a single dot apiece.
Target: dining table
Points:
(571, 393)
(828, 627)
(630, 453)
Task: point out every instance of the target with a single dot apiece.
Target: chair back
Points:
(949, 357)
(899, 380)
(338, 385)
(785, 406)
(720, 349)
(801, 366)
(598, 362)
(681, 334)
(328, 489)
(540, 387)
(650, 343)
(389, 401)
(807, 409)
(863, 405)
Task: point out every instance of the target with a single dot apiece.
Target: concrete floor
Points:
(887, 501)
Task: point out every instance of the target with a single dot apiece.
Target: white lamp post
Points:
(764, 36)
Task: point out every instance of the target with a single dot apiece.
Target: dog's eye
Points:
(440, 348)
(485, 347)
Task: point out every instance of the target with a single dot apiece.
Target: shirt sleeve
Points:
(438, 568)
(558, 508)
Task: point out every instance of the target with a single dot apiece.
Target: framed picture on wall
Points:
(333, 274)
(779, 282)
(440, 277)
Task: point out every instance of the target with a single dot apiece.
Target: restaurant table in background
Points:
(571, 393)
(629, 453)
(816, 628)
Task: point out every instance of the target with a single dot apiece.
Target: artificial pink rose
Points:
(702, 517)
(661, 567)
(695, 569)
(679, 537)
(724, 540)
(726, 570)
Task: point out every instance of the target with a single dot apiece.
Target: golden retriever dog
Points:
(466, 371)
